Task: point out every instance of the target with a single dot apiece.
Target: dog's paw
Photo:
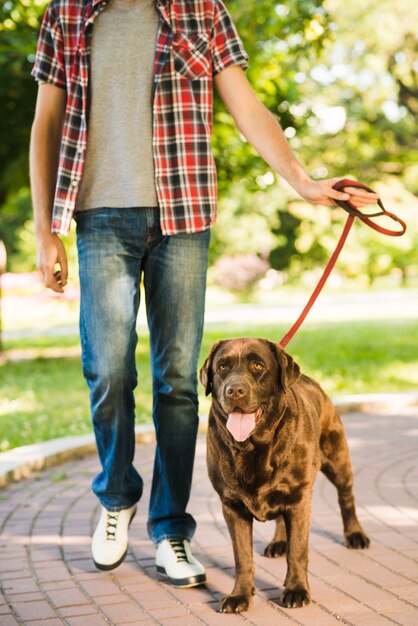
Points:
(294, 598)
(275, 549)
(357, 541)
(235, 604)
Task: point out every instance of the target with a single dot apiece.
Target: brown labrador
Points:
(270, 430)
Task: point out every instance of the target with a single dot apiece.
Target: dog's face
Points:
(245, 377)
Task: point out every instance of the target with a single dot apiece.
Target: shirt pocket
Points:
(191, 55)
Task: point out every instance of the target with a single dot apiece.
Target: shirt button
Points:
(74, 183)
(80, 149)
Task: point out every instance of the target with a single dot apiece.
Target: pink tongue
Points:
(241, 425)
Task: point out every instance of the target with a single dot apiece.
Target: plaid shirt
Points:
(196, 40)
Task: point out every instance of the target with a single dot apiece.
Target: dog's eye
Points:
(222, 368)
(258, 366)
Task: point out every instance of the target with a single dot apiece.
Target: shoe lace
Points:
(179, 550)
(111, 525)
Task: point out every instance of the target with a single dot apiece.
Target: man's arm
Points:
(264, 132)
(44, 154)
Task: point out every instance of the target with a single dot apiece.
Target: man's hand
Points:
(51, 252)
(322, 192)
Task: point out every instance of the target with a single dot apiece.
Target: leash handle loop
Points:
(366, 217)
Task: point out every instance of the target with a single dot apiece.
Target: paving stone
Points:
(45, 622)
(67, 597)
(26, 597)
(74, 611)
(4, 609)
(99, 588)
(168, 613)
(185, 620)
(92, 620)
(17, 586)
(125, 613)
(33, 610)
(9, 620)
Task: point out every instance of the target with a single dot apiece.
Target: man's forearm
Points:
(44, 154)
(259, 126)
(264, 132)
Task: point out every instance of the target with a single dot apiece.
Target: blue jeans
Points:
(116, 247)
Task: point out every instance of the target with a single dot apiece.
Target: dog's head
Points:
(246, 378)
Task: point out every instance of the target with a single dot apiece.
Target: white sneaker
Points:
(110, 540)
(175, 560)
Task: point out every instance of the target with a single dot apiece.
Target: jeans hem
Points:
(116, 509)
(171, 536)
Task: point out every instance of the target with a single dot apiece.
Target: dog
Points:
(270, 430)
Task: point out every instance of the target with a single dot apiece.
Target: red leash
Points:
(353, 213)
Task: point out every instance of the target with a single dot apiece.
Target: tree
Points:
(19, 27)
(347, 99)
(361, 95)
(345, 95)
(280, 40)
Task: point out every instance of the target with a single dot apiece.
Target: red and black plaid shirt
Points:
(196, 40)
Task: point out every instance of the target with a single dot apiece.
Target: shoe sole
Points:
(190, 581)
(106, 568)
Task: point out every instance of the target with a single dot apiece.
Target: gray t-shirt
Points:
(119, 168)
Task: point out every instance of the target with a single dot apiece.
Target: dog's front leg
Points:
(240, 526)
(297, 519)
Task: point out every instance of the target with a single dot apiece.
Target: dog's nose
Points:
(235, 390)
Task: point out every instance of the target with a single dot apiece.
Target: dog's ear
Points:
(206, 369)
(289, 370)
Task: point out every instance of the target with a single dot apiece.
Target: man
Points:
(121, 141)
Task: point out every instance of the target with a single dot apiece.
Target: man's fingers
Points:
(52, 279)
(362, 194)
(323, 192)
(63, 271)
(60, 275)
(338, 195)
(356, 196)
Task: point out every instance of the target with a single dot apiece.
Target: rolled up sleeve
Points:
(49, 66)
(227, 47)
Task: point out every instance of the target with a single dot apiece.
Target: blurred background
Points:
(342, 78)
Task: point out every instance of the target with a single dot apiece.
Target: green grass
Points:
(38, 343)
(45, 398)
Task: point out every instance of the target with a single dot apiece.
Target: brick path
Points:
(48, 578)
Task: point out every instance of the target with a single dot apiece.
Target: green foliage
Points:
(347, 98)
(282, 40)
(286, 237)
(371, 83)
(19, 26)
